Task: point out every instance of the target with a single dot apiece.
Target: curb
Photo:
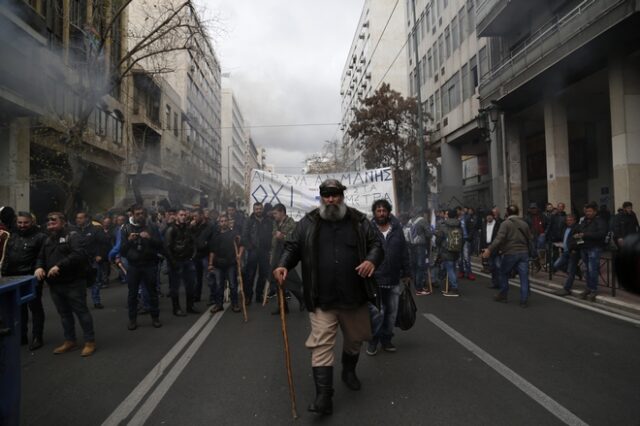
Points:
(605, 302)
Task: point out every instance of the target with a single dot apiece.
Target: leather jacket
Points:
(302, 247)
(22, 252)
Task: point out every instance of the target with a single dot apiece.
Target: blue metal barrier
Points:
(14, 291)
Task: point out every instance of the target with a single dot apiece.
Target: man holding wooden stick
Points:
(339, 251)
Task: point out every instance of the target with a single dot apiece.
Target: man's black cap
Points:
(332, 187)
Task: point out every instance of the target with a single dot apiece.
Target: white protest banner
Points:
(300, 193)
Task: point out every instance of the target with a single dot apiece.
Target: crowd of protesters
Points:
(353, 268)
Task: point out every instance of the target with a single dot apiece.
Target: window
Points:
(483, 62)
(433, 18)
(462, 23)
(167, 121)
(444, 94)
(117, 131)
(471, 15)
(447, 42)
(473, 71)
(175, 123)
(423, 71)
(435, 59)
(427, 20)
(411, 82)
(429, 64)
(438, 110)
(466, 82)
(441, 49)
(455, 36)
(431, 106)
(453, 91)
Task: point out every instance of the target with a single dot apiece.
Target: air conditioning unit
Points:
(365, 24)
(445, 122)
(363, 60)
(348, 72)
(349, 92)
(341, 92)
(359, 69)
(435, 77)
(368, 76)
(361, 36)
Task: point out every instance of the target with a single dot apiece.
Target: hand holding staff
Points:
(241, 281)
(280, 275)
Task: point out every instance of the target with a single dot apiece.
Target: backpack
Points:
(453, 241)
(414, 236)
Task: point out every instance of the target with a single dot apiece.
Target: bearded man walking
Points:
(339, 251)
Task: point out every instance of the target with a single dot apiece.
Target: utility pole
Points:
(422, 178)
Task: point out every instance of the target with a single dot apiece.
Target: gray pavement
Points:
(232, 373)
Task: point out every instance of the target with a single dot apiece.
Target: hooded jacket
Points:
(303, 247)
(396, 263)
(140, 251)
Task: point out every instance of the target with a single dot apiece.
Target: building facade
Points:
(61, 137)
(565, 79)
(234, 140)
(444, 59)
(377, 55)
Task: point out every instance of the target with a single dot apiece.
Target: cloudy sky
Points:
(286, 58)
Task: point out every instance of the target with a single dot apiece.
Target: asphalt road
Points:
(468, 361)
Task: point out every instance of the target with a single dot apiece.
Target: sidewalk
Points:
(623, 303)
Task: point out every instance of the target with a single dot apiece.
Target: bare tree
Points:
(104, 54)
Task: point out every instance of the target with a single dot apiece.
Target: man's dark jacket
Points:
(203, 233)
(625, 224)
(257, 234)
(303, 247)
(140, 251)
(556, 226)
(179, 243)
(593, 232)
(396, 262)
(483, 233)
(92, 237)
(65, 250)
(22, 252)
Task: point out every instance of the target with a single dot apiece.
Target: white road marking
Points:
(565, 299)
(529, 389)
(129, 404)
(142, 415)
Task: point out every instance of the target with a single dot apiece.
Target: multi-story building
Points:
(444, 60)
(564, 77)
(377, 55)
(234, 141)
(189, 104)
(59, 150)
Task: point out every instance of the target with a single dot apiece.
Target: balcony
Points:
(563, 49)
(497, 17)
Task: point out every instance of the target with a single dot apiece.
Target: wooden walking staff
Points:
(287, 353)
(241, 282)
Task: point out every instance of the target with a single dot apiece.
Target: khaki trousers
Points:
(354, 323)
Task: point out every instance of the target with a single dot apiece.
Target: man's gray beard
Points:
(333, 212)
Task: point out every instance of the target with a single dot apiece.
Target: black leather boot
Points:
(190, 308)
(349, 377)
(176, 307)
(323, 378)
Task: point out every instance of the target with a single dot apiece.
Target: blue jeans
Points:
(257, 261)
(223, 274)
(384, 320)
(450, 268)
(102, 269)
(182, 271)
(71, 299)
(519, 262)
(420, 259)
(495, 262)
(562, 262)
(572, 267)
(145, 275)
(591, 260)
(464, 263)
